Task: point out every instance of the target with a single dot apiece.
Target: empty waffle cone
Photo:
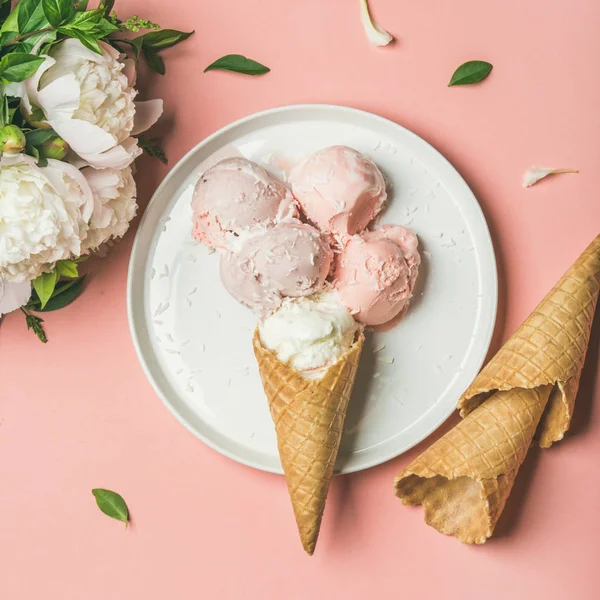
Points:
(549, 348)
(464, 479)
(309, 417)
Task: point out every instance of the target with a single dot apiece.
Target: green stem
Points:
(24, 36)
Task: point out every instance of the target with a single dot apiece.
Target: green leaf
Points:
(89, 42)
(11, 23)
(18, 66)
(44, 286)
(237, 64)
(58, 11)
(112, 505)
(81, 5)
(35, 323)
(152, 148)
(91, 23)
(28, 44)
(5, 112)
(165, 38)
(67, 268)
(31, 16)
(155, 62)
(7, 36)
(64, 294)
(470, 72)
(36, 136)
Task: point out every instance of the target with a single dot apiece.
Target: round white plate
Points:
(194, 340)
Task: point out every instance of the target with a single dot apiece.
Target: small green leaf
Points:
(67, 268)
(11, 23)
(165, 38)
(89, 42)
(44, 286)
(35, 323)
(155, 62)
(58, 11)
(30, 16)
(237, 64)
(19, 66)
(64, 295)
(36, 136)
(112, 505)
(470, 72)
(151, 147)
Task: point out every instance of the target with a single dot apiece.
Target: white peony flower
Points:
(115, 204)
(88, 99)
(13, 295)
(44, 214)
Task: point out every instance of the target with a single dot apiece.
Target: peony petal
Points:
(33, 83)
(129, 69)
(83, 137)
(118, 157)
(13, 295)
(146, 114)
(74, 173)
(60, 99)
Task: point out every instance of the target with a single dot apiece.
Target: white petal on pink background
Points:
(535, 174)
(376, 34)
(13, 295)
(146, 114)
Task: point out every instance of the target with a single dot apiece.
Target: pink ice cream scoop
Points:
(235, 195)
(339, 189)
(288, 260)
(375, 273)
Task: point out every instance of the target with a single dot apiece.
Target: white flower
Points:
(88, 99)
(115, 204)
(376, 34)
(535, 174)
(43, 215)
(13, 295)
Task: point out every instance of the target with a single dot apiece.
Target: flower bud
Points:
(53, 147)
(12, 139)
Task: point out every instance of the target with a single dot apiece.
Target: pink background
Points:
(78, 413)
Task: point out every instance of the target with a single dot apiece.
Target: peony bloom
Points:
(44, 214)
(13, 295)
(88, 99)
(115, 205)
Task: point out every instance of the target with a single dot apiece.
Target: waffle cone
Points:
(548, 348)
(464, 479)
(309, 418)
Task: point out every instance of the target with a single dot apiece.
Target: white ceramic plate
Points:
(194, 340)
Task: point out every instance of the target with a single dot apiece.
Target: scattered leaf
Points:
(44, 286)
(471, 72)
(112, 505)
(376, 34)
(152, 148)
(237, 64)
(535, 174)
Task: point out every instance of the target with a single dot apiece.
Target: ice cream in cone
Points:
(308, 353)
(464, 479)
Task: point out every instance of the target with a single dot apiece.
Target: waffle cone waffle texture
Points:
(464, 479)
(309, 418)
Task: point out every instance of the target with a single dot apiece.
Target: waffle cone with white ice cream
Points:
(307, 354)
(464, 479)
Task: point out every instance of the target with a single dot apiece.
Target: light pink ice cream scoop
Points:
(288, 260)
(339, 189)
(375, 273)
(235, 195)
